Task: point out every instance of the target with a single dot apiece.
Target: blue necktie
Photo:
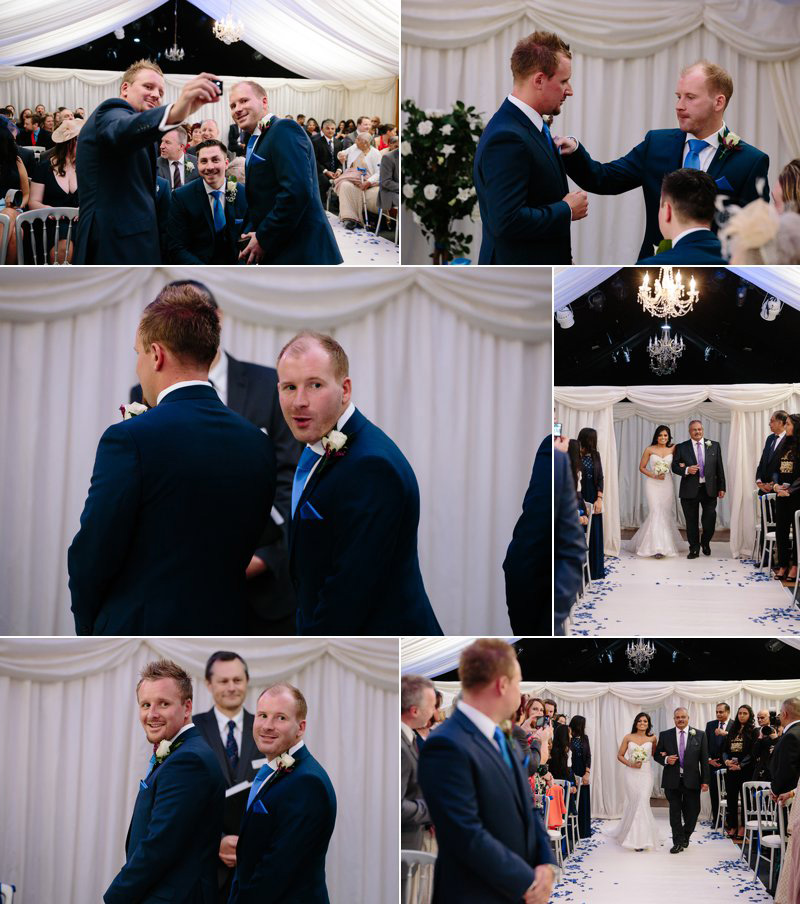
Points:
(501, 743)
(261, 776)
(250, 145)
(219, 212)
(307, 461)
(151, 764)
(549, 137)
(692, 160)
(231, 749)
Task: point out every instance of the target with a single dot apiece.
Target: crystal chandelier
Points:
(668, 297)
(175, 54)
(639, 655)
(664, 352)
(228, 31)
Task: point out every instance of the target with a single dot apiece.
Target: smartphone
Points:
(218, 83)
(541, 721)
(556, 429)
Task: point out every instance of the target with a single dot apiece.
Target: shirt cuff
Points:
(162, 126)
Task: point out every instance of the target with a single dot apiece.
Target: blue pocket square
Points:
(308, 511)
(258, 807)
(143, 785)
(255, 156)
(237, 222)
(724, 184)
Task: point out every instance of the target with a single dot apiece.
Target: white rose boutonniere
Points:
(231, 188)
(188, 166)
(334, 442)
(162, 751)
(708, 443)
(692, 731)
(132, 410)
(285, 763)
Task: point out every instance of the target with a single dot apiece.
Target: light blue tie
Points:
(549, 137)
(307, 461)
(692, 160)
(219, 212)
(501, 743)
(261, 776)
(152, 763)
(250, 145)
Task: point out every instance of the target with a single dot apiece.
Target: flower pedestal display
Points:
(438, 149)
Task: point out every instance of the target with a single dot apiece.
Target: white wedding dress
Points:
(638, 829)
(659, 533)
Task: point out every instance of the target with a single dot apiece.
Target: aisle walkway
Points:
(702, 597)
(707, 872)
(360, 247)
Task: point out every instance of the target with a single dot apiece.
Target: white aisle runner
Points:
(362, 247)
(708, 871)
(699, 597)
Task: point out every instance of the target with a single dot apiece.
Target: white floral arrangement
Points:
(660, 467)
(638, 755)
(134, 409)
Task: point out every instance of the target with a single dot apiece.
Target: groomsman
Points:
(177, 818)
(701, 141)
(493, 846)
(526, 205)
(716, 733)
(355, 505)
(291, 810)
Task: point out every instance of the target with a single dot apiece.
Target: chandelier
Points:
(175, 54)
(668, 297)
(664, 352)
(639, 655)
(228, 31)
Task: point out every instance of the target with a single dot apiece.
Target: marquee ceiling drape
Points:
(319, 39)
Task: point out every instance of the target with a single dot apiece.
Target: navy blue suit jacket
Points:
(283, 201)
(715, 742)
(353, 542)
(284, 836)
(490, 839)
(661, 152)
(150, 557)
(116, 164)
(163, 204)
(769, 462)
(173, 839)
(569, 539)
(190, 233)
(696, 248)
(520, 182)
(527, 565)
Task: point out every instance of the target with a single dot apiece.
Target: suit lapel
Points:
(237, 384)
(249, 751)
(488, 749)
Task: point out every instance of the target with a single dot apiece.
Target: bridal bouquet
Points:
(661, 467)
(638, 755)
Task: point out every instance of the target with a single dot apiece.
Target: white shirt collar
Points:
(209, 189)
(218, 375)
(481, 721)
(180, 385)
(343, 419)
(779, 436)
(710, 138)
(686, 232)
(185, 728)
(790, 725)
(408, 732)
(534, 116)
(273, 763)
(222, 720)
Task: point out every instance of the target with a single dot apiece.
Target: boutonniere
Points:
(333, 443)
(230, 190)
(188, 166)
(133, 410)
(663, 245)
(708, 443)
(165, 748)
(285, 763)
(692, 732)
(265, 122)
(505, 727)
(729, 141)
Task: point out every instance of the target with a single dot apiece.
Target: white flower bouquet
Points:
(660, 467)
(638, 755)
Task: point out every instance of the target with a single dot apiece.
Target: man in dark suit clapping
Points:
(493, 846)
(525, 202)
(147, 559)
(716, 733)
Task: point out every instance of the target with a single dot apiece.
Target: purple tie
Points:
(701, 460)
(681, 748)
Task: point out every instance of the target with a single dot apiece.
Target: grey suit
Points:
(413, 809)
(389, 194)
(165, 169)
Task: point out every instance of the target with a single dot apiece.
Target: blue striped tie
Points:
(696, 145)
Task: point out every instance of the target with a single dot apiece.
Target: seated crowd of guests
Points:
(357, 170)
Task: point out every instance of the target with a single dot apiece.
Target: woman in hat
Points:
(55, 182)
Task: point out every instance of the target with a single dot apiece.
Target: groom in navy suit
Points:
(526, 205)
(151, 556)
(355, 505)
(171, 849)
(290, 814)
(286, 222)
(701, 141)
(493, 846)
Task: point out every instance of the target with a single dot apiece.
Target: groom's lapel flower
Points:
(285, 763)
(729, 141)
(165, 748)
(133, 410)
(333, 443)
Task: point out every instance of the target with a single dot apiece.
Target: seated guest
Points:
(206, 215)
(195, 136)
(685, 215)
(62, 114)
(786, 484)
(39, 109)
(389, 183)
(24, 112)
(14, 185)
(386, 133)
(362, 127)
(48, 123)
(341, 129)
(358, 181)
(80, 113)
(173, 165)
(210, 130)
(312, 127)
(786, 190)
(301, 119)
(326, 149)
(738, 758)
(55, 183)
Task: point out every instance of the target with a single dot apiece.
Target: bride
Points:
(658, 536)
(637, 829)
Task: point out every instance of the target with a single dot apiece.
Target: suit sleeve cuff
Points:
(162, 126)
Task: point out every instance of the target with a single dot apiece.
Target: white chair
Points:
(756, 555)
(388, 216)
(750, 815)
(572, 818)
(586, 572)
(722, 797)
(768, 519)
(558, 837)
(771, 831)
(797, 550)
(43, 215)
(418, 863)
(7, 893)
(5, 225)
